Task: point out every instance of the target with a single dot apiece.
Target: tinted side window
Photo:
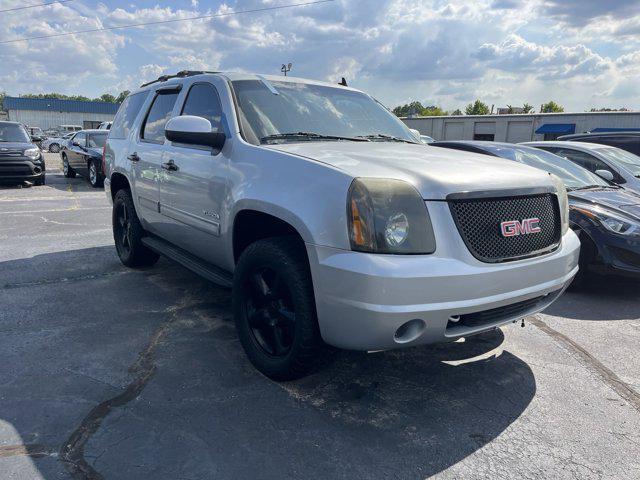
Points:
(159, 114)
(203, 101)
(126, 115)
(628, 143)
(80, 138)
(587, 161)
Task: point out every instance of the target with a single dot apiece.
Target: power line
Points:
(213, 15)
(34, 6)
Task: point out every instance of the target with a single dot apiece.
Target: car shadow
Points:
(600, 298)
(134, 363)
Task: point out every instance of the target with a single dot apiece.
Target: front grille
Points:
(11, 152)
(14, 169)
(479, 223)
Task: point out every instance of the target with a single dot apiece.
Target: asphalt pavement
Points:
(113, 373)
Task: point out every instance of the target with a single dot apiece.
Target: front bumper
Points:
(21, 169)
(616, 254)
(363, 299)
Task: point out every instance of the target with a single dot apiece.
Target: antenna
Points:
(286, 68)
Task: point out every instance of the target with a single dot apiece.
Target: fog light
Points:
(409, 331)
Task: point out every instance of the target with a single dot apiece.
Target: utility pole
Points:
(286, 68)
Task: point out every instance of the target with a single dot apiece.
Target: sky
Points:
(583, 54)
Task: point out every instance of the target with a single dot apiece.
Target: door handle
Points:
(134, 157)
(170, 165)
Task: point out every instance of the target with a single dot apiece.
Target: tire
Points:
(95, 176)
(41, 181)
(128, 233)
(66, 169)
(54, 148)
(274, 309)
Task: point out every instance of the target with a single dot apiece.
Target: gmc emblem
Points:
(513, 228)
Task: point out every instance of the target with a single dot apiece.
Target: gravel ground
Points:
(119, 374)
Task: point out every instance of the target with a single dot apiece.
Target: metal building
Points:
(50, 112)
(521, 128)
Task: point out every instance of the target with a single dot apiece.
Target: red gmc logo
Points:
(513, 228)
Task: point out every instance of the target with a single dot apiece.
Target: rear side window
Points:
(629, 143)
(203, 101)
(127, 113)
(158, 116)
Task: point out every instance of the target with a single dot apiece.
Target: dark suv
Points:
(629, 141)
(20, 159)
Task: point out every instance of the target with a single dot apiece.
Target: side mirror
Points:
(76, 144)
(606, 174)
(193, 130)
(416, 133)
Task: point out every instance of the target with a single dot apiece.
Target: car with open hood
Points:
(20, 159)
(605, 216)
(331, 222)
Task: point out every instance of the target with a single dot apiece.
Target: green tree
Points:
(106, 97)
(526, 108)
(434, 111)
(2, 95)
(413, 108)
(122, 95)
(551, 107)
(477, 108)
(457, 111)
(510, 109)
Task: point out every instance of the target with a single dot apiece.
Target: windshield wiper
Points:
(589, 187)
(382, 136)
(309, 136)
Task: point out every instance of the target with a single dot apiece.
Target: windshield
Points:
(97, 140)
(12, 132)
(277, 108)
(622, 158)
(571, 174)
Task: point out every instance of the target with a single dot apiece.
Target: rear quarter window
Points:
(127, 113)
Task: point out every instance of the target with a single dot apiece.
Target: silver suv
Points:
(331, 223)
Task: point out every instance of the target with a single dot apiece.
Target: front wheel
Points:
(274, 308)
(66, 169)
(128, 233)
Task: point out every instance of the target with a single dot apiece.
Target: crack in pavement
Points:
(72, 451)
(605, 374)
(32, 450)
(80, 278)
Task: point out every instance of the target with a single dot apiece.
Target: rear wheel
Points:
(128, 233)
(54, 148)
(274, 308)
(95, 177)
(66, 169)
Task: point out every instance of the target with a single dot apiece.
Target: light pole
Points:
(286, 68)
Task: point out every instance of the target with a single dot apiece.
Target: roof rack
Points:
(181, 74)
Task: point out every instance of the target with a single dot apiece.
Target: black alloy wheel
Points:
(122, 230)
(270, 312)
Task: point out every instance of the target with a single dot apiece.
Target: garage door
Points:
(484, 131)
(454, 131)
(519, 132)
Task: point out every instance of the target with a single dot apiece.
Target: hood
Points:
(434, 171)
(13, 146)
(621, 200)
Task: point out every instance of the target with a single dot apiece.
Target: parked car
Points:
(605, 217)
(36, 134)
(328, 218)
(105, 126)
(69, 128)
(82, 154)
(20, 159)
(613, 164)
(55, 144)
(629, 141)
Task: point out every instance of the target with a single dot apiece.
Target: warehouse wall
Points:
(45, 119)
(516, 128)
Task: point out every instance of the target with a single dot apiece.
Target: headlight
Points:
(563, 202)
(612, 221)
(388, 216)
(32, 153)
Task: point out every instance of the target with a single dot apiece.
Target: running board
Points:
(193, 263)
